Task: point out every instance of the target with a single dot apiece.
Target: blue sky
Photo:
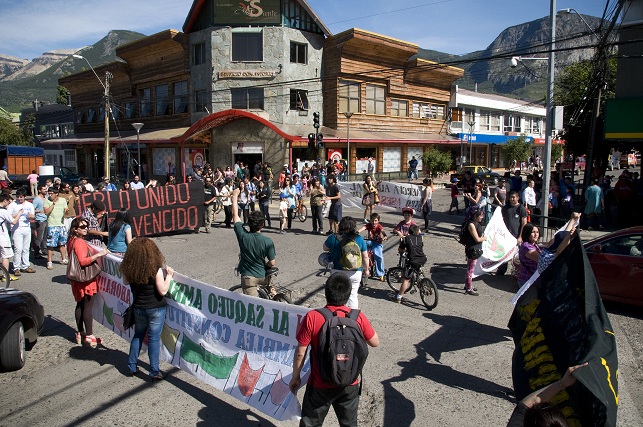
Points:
(30, 27)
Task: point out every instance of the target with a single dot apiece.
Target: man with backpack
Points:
(349, 254)
(338, 337)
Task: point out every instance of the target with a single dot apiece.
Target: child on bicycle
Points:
(376, 235)
(414, 249)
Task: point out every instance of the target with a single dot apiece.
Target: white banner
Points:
(239, 344)
(393, 195)
(498, 248)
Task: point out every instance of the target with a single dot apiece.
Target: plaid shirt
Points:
(94, 224)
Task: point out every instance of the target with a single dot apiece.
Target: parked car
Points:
(21, 320)
(617, 261)
(481, 172)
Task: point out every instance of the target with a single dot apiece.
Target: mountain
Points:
(38, 65)
(10, 64)
(20, 92)
(490, 68)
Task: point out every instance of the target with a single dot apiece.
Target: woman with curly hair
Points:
(83, 291)
(142, 268)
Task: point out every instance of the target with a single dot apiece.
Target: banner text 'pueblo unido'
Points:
(157, 210)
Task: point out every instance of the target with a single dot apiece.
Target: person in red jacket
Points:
(319, 395)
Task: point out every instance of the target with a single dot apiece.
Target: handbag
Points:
(78, 273)
(366, 200)
(128, 317)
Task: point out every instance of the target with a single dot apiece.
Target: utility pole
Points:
(107, 156)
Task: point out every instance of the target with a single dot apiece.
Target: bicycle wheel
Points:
(282, 297)
(394, 278)
(302, 213)
(5, 277)
(428, 293)
(236, 288)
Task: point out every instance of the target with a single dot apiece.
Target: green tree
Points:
(576, 88)
(516, 149)
(556, 152)
(11, 135)
(62, 94)
(436, 161)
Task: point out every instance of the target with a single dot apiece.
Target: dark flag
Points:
(560, 322)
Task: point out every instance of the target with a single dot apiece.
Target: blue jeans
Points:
(152, 319)
(378, 257)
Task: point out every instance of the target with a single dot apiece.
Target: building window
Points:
(180, 97)
(512, 123)
(298, 99)
(91, 115)
(349, 97)
(130, 110)
(489, 121)
(198, 54)
(375, 100)
(162, 94)
(399, 108)
(532, 124)
(145, 102)
(428, 111)
(200, 100)
(247, 98)
(298, 53)
(101, 114)
(66, 129)
(247, 47)
(116, 112)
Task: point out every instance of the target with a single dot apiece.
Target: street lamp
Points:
(348, 116)
(108, 79)
(471, 124)
(138, 127)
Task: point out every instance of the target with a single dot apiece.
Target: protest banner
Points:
(155, 210)
(241, 345)
(498, 248)
(559, 322)
(393, 195)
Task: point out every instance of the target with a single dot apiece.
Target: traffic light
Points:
(316, 120)
(320, 141)
(311, 141)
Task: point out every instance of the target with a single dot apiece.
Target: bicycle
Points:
(268, 290)
(426, 285)
(300, 211)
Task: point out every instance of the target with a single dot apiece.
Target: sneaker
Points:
(50, 266)
(365, 221)
(329, 232)
(133, 374)
(471, 292)
(397, 298)
(29, 270)
(12, 277)
(65, 261)
(158, 377)
(16, 272)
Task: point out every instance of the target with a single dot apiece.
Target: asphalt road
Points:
(447, 367)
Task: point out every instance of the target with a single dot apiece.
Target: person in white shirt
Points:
(22, 212)
(529, 196)
(86, 185)
(6, 221)
(137, 184)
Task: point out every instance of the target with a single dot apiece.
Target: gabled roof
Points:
(197, 6)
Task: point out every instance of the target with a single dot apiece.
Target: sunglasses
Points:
(83, 227)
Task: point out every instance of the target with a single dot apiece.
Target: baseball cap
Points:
(454, 180)
(407, 210)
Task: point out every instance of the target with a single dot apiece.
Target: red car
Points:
(617, 261)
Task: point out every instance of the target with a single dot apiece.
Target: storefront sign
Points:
(248, 11)
(246, 74)
(247, 148)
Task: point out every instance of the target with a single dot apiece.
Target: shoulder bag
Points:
(78, 273)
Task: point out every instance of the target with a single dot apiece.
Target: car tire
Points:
(12, 348)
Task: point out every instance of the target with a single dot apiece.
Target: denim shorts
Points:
(56, 236)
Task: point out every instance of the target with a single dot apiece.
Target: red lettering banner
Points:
(154, 211)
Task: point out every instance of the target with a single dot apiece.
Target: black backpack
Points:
(342, 348)
(463, 235)
(414, 246)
